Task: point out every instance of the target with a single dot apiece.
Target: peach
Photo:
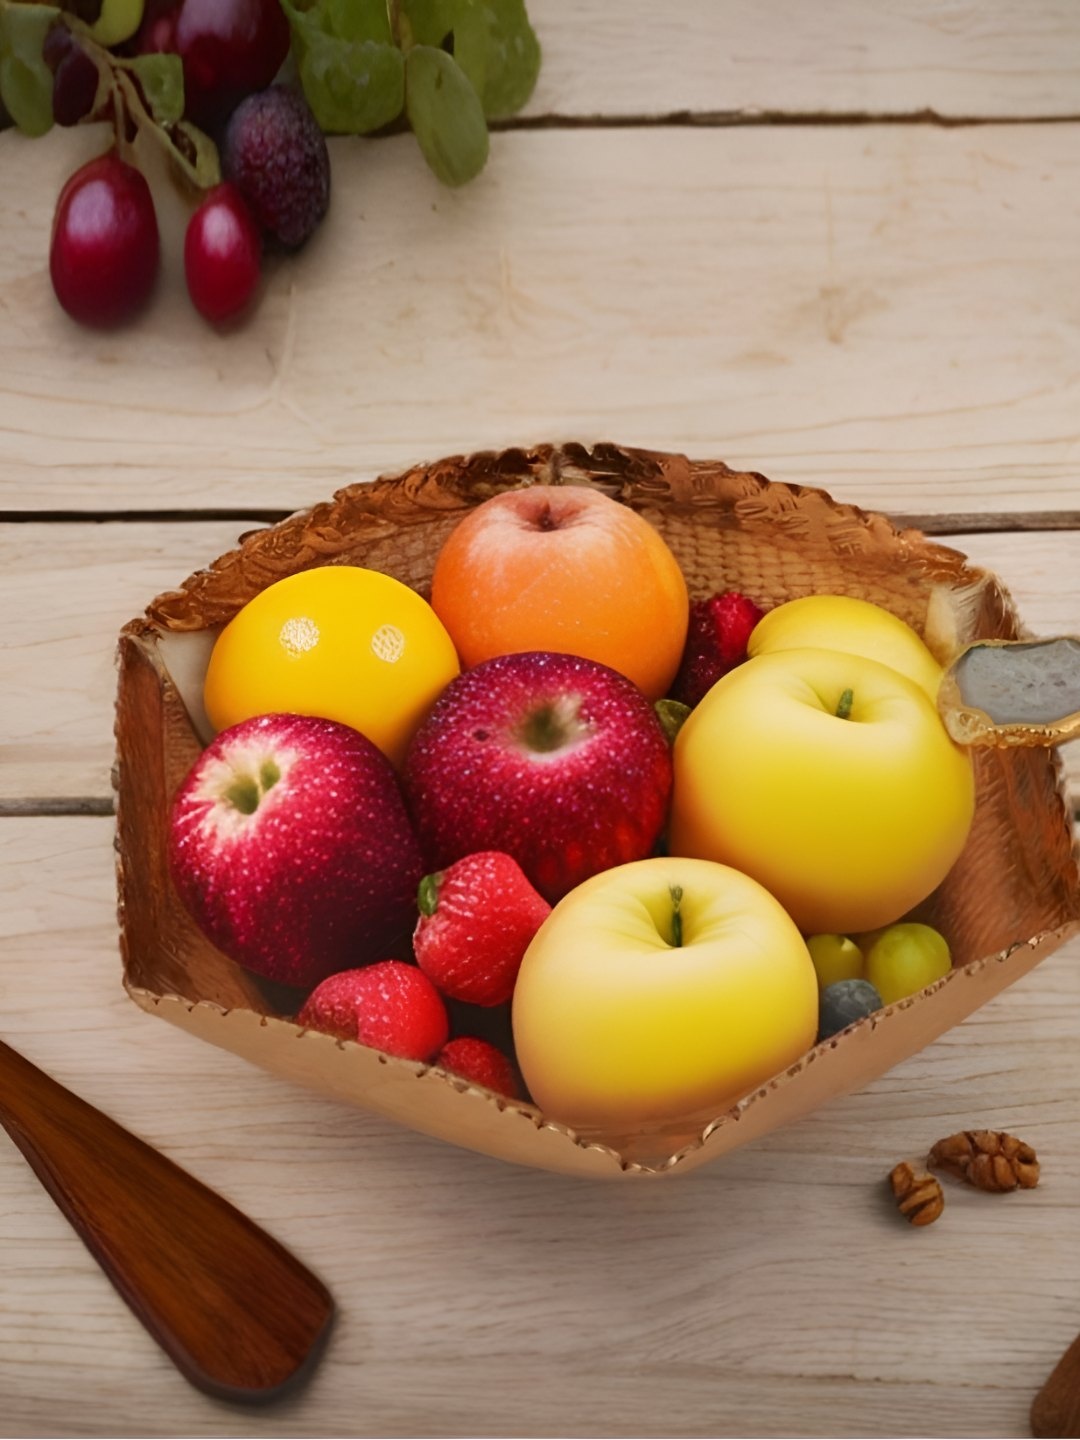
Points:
(563, 568)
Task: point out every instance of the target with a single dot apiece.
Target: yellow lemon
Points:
(339, 641)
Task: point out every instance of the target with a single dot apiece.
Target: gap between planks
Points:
(749, 119)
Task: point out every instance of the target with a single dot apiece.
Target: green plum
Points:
(905, 958)
(835, 958)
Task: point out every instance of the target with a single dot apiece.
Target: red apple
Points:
(556, 760)
(291, 847)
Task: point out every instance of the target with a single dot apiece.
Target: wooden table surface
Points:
(835, 242)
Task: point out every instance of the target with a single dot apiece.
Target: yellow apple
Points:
(857, 627)
(660, 990)
(849, 819)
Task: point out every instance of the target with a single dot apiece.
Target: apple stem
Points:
(843, 710)
(427, 895)
(676, 915)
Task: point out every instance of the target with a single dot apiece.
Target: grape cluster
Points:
(202, 79)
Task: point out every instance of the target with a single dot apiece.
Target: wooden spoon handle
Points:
(238, 1315)
(1056, 1409)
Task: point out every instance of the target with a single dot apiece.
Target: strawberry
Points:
(481, 1063)
(390, 1006)
(715, 643)
(476, 920)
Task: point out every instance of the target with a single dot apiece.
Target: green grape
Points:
(445, 114)
(26, 82)
(353, 85)
(835, 958)
(905, 958)
(498, 50)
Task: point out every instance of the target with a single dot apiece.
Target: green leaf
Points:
(445, 114)
(498, 50)
(192, 153)
(426, 22)
(352, 89)
(359, 20)
(27, 98)
(161, 78)
(353, 85)
(26, 82)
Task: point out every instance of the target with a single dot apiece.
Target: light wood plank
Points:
(773, 1293)
(67, 590)
(838, 56)
(888, 311)
(56, 664)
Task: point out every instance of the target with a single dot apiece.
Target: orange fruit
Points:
(563, 568)
(339, 641)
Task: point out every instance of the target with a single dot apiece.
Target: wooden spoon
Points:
(238, 1315)
(1056, 1409)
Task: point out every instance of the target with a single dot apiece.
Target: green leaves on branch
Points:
(161, 80)
(498, 50)
(445, 114)
(352, 72)
(144, 93)
(26, 82)
(448, 66)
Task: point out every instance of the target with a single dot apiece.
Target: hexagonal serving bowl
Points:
(1012, 898)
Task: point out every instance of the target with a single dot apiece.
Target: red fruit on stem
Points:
(75, 86)
(157, 33)
(229, 49)
(290, 846)
(715, 643)
(103, 257)
(556, 760)
(476, 921)
(222, 255)
(481, 1063)
(390, 1006)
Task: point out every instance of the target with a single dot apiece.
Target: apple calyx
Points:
(554, 725)
(843, 710)
(676, 893)
(427, 893)
(247, 791)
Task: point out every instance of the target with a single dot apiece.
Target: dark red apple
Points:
(291, 847)
(558, 761)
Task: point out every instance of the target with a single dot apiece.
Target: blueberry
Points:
(844, 1003)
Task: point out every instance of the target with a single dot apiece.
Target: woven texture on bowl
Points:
(1011, 898)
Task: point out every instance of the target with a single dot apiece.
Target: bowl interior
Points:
(1015, 883)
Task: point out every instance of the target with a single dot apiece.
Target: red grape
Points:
(221, 255)
(104, 252)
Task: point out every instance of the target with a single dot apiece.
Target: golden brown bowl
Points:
(1012, 897)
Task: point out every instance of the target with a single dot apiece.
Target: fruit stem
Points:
(843, 710)
(427, 895)
(676, 914)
